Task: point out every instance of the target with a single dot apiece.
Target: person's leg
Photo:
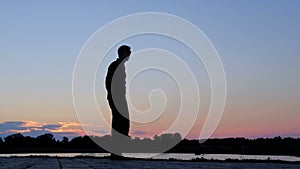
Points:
(125, 118)
(120, 127)
(124, 131)
(115, 129)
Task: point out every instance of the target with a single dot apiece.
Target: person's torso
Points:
(118, 82)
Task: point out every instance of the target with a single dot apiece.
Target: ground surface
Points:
(99, 163)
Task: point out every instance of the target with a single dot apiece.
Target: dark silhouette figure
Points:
(116, 96)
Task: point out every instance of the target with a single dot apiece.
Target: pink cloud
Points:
(33, 128)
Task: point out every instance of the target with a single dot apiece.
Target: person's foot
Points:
(117, 157)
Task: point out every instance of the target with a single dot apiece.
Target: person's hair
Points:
(122, 49)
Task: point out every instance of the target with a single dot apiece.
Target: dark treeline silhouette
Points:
(46, 143)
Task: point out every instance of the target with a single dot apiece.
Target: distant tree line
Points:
(47, 143)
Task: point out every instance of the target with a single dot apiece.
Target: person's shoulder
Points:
(113, 64)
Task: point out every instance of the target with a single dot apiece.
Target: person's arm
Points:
(108, 79)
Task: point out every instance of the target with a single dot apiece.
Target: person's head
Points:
(124, 52)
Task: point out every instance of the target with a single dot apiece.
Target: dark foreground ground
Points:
(99, 163)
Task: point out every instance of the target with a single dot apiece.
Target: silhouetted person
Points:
(116, 96)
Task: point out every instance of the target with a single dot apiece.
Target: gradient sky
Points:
(258, 43)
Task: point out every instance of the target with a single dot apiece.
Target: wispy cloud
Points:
(30, 124)
(144, 134)
(61, 129)
(33, 128)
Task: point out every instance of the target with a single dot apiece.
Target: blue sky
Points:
(256, 40)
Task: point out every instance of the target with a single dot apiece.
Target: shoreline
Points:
(88, 162)
(229, 160)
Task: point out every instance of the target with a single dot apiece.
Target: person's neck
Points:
(121, 60)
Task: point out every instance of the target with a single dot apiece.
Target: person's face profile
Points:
(126, 54)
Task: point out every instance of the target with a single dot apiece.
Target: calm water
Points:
(165, 156)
